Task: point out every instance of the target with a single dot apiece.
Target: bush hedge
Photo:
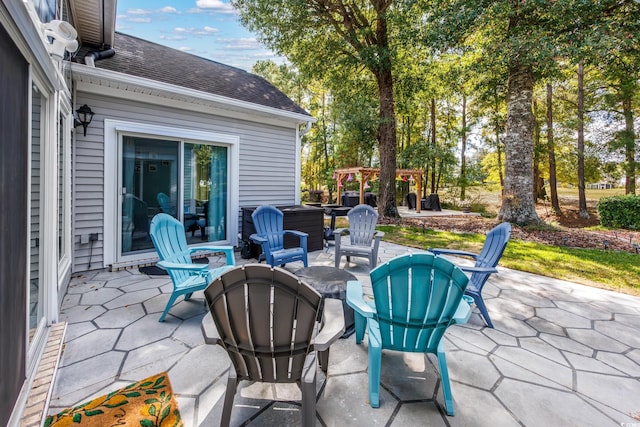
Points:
(620, 212)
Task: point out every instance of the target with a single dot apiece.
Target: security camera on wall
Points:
(63, 37)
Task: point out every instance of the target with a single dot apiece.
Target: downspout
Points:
(96, 56)
(298, 172)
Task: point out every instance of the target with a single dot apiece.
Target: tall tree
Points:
(320, 36)
(551, 150)
(526, 36)
(582, 198)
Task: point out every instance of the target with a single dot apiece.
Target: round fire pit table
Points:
(331, 282)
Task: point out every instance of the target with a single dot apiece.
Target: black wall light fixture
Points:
(85, 115)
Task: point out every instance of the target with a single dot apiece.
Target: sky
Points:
(207, 28)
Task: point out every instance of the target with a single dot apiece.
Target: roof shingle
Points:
(142, 58)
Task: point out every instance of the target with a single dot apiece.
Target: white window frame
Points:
(64, 261)
(113, 130)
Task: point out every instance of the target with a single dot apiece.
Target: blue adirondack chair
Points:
(485, 264)
(364, 240)
(167, 234)
(268, 222)
(416, 297)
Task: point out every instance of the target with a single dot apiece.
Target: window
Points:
(184, 179)
(36, 284)
(63, 205)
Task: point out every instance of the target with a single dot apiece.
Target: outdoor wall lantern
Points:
(85, 115)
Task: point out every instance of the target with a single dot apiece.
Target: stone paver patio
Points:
(561, 354)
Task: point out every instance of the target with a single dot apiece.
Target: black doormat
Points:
(152, 270)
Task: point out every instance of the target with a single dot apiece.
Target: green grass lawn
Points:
(619, 271)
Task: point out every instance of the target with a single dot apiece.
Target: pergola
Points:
(366, 174)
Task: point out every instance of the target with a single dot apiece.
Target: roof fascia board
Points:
(108, 21)
(117, 77)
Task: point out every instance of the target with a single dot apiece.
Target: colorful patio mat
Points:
(149, 402)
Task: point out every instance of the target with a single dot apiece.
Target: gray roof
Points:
(142, 58)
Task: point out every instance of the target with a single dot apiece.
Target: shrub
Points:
(620, 212)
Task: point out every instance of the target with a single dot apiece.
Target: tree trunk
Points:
(582, 198)
(463, 151)
(629, 147)
(517, 202)
(387, 127)
(551, 149)
(537, 193)
(433, 143)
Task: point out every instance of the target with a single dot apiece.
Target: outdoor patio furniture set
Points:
(276, 326)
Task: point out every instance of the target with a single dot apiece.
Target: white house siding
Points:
(266, 164)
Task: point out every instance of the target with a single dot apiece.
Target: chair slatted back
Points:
(416, 297)
(494, 246)
(268, 222)
(164, 201)
(266, 321)
(362, 225)
(167, 234)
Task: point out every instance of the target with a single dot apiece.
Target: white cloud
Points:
(169, 9)
(142, 20)
(173, 38)
(185, 49)
(138, 12)
(206, 31)
(215, 5)
(243, 43)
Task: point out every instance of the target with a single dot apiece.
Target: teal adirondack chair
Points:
(268, 222)
(416, 297)
(167, 234)
(485, 264)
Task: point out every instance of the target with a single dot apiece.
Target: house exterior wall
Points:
(35, 128)
(266, 165)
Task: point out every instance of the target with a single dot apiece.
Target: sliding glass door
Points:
(183, 179)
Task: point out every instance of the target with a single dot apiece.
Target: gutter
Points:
(306, 129)
(96, 56)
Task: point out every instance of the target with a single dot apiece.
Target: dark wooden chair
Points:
(265, 318)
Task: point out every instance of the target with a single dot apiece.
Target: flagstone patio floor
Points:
(561, 354)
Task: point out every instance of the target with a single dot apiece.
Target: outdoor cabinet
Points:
(308, 219)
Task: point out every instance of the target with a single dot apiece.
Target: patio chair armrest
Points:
(443, 251)
(195, 268)
(227, 250)
(296, 233)
(209, 330)
(471, 269)
(333, 324)
(339, 231)
(258, 239)
(378, 234)
(463, 312)
(355, 299)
